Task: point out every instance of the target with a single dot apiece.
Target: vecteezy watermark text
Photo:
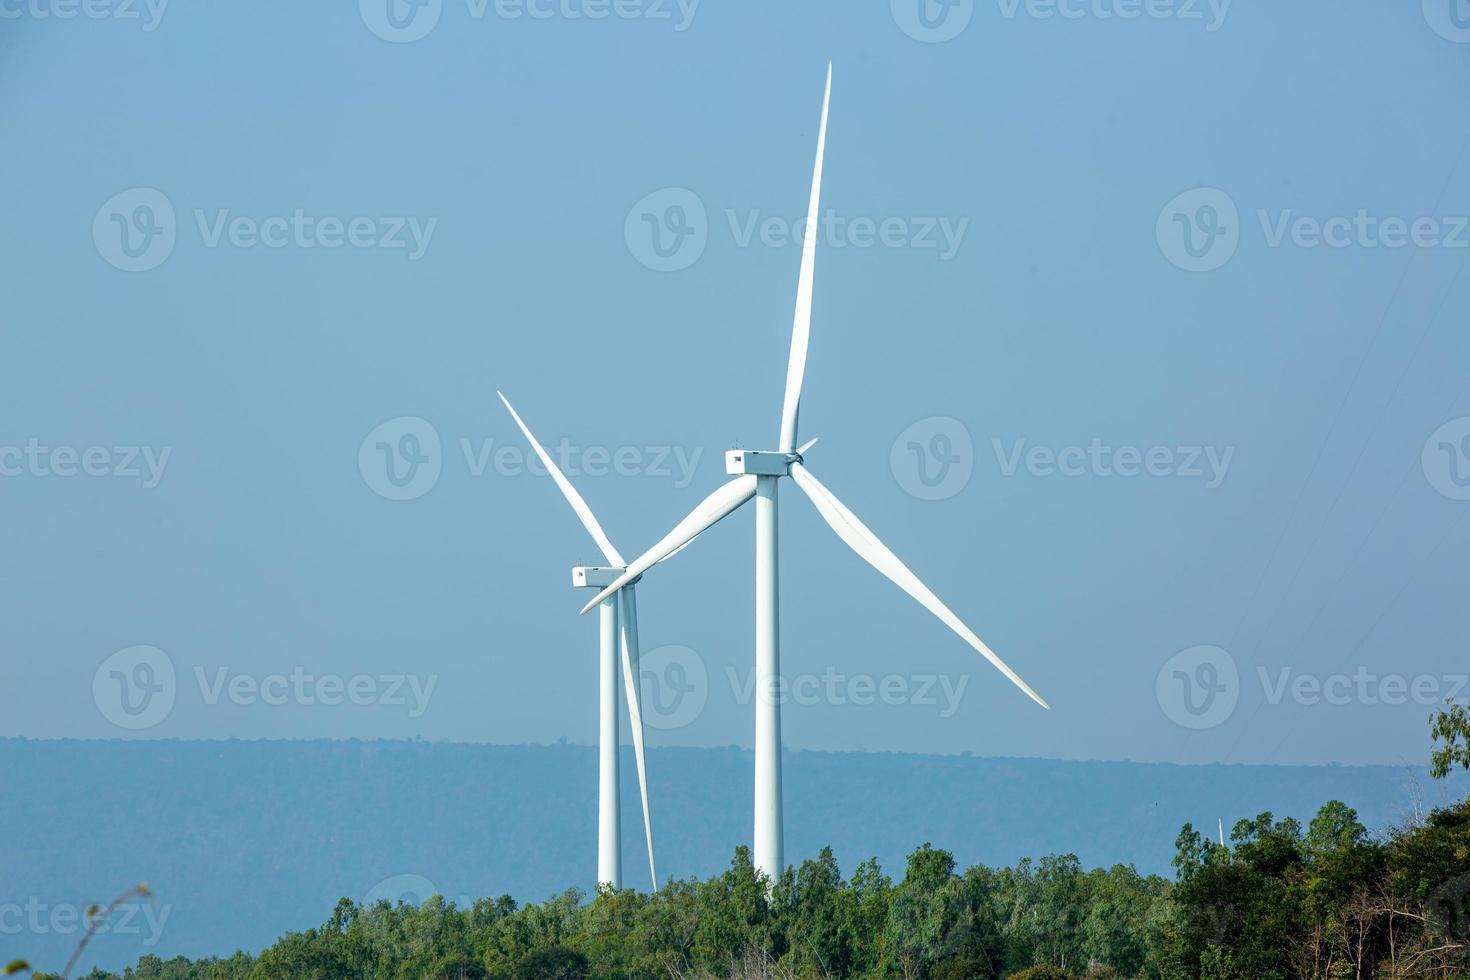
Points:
(934, 458)
(937, 233)
(405, 21)
(37, 459)
(1363, 686)
(676, 463)
(669, 229)
(1210, 13)
(1200, 687)
(833, 687)
(136, 230)
(299, 229)
(148, 13)
(37, 917)
(137, 687)
(303, 688)
(1209, 464)
(937, 21)
(1201, 229)
(402, 458)
(675, 684)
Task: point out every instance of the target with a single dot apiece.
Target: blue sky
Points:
(1216, 247)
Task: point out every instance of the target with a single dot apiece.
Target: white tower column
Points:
(769, 849)
(609, 833)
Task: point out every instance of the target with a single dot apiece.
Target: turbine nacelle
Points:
(759, 462)
(595, 576)
(764, 462)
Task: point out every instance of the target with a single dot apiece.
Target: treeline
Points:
(1280, 901)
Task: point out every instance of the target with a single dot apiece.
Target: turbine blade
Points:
(584, 513)
(801, 449)
(629, 620)
(857, 537)
(678, 549)
(801, 325)
(709, 512)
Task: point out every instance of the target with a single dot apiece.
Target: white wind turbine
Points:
(614, 628)
(756, 475)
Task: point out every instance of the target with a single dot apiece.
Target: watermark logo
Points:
(401, 458)
(1446, 459)
(135, 229)
(934, 458)
(400, 21)
(674, 685)
(1199, 687)
(1208, 464)
(1450, 19)
(1199, 230)
(135, 687)
(410, 889)
(667, 230)
(932, 21)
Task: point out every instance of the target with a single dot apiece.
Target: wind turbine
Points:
(756, 474)
(615, 630)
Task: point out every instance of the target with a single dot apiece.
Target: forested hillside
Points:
(243, 842)
(1281, 901)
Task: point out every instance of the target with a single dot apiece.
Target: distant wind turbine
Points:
(609, 830)
(755, 475)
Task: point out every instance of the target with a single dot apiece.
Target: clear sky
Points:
(1014, 310)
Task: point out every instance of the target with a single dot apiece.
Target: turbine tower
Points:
(757, 474)
(618, 627)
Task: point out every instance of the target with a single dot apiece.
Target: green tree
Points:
(1335, 828)
(920, 913)
(1042, 971)
(821, 918)
(1451, 732)
(548, 963)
